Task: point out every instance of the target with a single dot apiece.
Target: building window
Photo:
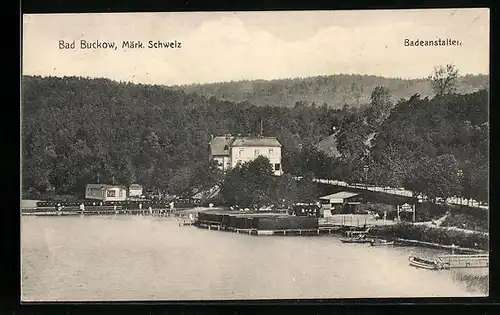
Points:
(241, 152)
(271, 151)
(111, 193)
(277, 166)
(256, 152)
(120, 193)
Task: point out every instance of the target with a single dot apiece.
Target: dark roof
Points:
(255, 142)
(221, 145)
(218, 145)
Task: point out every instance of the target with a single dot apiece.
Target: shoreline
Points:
(405, 234)
(434, 237)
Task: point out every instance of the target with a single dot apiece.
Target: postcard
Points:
(196, 156)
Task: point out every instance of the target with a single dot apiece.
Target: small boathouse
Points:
(341, 202)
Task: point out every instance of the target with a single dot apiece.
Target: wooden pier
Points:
(453, 248)
(95, 210)
(464, 261)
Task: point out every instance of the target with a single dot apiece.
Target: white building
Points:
(228, 151)
(135, 190)
(106, 192)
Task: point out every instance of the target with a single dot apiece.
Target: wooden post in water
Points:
(414, 217)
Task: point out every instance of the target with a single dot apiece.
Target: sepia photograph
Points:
(260, 155)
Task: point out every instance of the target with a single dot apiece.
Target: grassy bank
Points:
(465, 221)
(433, 235)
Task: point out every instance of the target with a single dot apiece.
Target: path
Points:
(400, 192)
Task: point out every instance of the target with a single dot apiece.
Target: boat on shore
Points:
(425, 263)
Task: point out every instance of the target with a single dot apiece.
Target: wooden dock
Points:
(95, 210)
(464, 261)
(407, 242)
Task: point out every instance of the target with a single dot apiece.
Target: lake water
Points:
(108, 258)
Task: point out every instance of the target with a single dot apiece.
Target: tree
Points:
(307, 189)
(475, 178)
(380, 105)
(249, 184)
(351, 138)
(286, 188)
(436, 177)
(206, 175)
(444, 79)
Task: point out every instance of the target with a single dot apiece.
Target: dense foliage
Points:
(438, 147)
(77, 131)
(466, 221)
(253, 184)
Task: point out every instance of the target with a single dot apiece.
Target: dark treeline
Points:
(335, 90)
(77, 130)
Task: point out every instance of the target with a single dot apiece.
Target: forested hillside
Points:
(76, 130)
(334, 90)
(438, 147)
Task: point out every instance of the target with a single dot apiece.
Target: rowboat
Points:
(381, 242)
(424, 263)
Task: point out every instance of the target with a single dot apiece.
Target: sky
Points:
(225, 46)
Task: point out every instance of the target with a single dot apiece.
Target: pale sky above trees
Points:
(224, 46)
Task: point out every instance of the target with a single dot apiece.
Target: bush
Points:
(430, 211)
(473, 213)
(468, 222)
